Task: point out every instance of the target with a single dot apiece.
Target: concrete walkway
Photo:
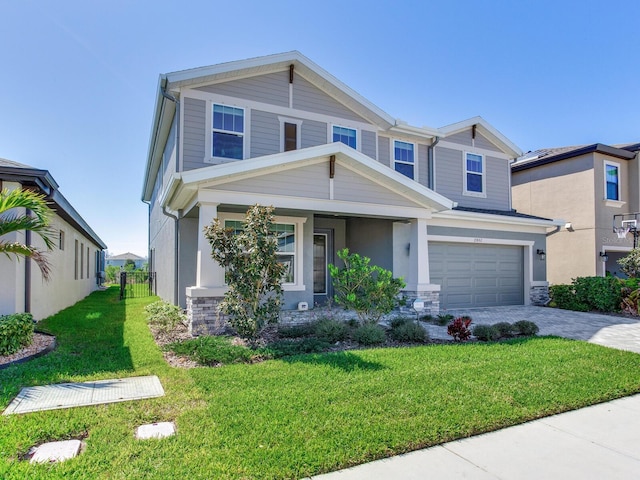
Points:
(597, 442)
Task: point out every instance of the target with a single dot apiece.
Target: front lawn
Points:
(289, 418)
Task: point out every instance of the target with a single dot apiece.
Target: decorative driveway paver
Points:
(608, 330)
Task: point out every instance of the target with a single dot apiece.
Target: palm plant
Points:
(37, 221)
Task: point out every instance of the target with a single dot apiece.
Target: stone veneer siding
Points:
(539, 296)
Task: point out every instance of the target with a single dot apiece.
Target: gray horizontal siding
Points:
(265, 133)
(313, 134)
(368, 143)
(351, 187)
(423, 171)
(449, 180)
(483, 142)
(272, 88)
(193, 139)
(307, 182)
(384, 149)
(309, 98)
(461, 138)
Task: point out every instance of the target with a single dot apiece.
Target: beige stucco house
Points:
(587, 186)
(76, 262)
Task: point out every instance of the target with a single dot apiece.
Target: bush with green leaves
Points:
(296, 331)
(486, 333)
(16, 332)
(526, 328)
(210, 350)
(599, 293)
(630, 264)
(252, 271)
(443, 319)
(369, 290)
(331, 330)
(288, 347)
(369, 334)
(564, 297)
(164, 315)
(505, 329)
(399, 321)
(409, 331)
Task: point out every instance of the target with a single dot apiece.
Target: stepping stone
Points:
(155, 430)
(54, 452)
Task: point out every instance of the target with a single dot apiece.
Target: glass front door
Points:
(322, 256)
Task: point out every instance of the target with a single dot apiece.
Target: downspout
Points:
(430, 179)
(27, 270)
(176, 220)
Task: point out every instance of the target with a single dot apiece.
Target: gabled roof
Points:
(487, 130)
(42, 179)
(544, 156)
(125, 256)
(184, 185)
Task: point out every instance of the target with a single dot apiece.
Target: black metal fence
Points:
(137, 284)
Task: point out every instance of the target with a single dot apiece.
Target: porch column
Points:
(418, 278)
(208, 272)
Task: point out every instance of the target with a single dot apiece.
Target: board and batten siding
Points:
(368, 143)
(309, 98)
(272, 88)
(265, 133)
(449, 180)
(193, 137)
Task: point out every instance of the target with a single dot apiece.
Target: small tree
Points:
(630, 264)
(370, 290)
(252, 271)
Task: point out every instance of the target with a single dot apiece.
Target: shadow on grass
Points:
(90, 340)
(346, 361)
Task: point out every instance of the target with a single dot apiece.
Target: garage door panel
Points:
(472, 275)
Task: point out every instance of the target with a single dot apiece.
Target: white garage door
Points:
(475, 275)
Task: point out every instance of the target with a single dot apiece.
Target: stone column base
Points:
(539, 295)
(204, 316)
(430, 295)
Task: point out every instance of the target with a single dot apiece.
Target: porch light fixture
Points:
(541, 254)
(604, 257)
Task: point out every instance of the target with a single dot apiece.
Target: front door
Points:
(322, 256)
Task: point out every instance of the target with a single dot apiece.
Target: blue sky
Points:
(78, 78)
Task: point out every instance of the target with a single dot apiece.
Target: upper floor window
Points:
(290, 133)
(474, 175)
(227, 138)
(61, 239)
(345, 135)
(612, 181)
(403, 157)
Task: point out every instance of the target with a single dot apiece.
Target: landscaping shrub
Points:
(630, 302)
(164, 315)
(399, 321)
(330, 330)
(16, 331)
(288, 348)
(599, 293)
(564, 297)
(459, 329)
(486, 333)
(525, 327)
(369, 334)
(296, 331)
(443, 319)
(505, 329)
(409, 331)
(208, 350)
(630, 264)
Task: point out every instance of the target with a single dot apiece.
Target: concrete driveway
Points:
(609, 330)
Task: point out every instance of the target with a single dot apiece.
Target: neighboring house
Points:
(76, 261)
(120, 260)
(587, 186)
(431, 204)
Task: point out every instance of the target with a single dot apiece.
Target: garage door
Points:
(473, 275)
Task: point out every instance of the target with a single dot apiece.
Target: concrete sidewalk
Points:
(597, 442)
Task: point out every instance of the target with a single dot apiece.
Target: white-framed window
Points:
(474, 175)
(404, 158)
(346, 135)
(289, 233)
(290, 133)
(227, 131)
(612, 181)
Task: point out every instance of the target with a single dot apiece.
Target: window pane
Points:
(228, 118)
(474, 163)
(345, 135)
(227, 145)
(474, 182)
(289, 272)
(290, 136)
(403, 151)
(405, 169)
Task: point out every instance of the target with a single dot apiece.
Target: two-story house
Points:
(77, 260)
(431, 204)
(594, 188)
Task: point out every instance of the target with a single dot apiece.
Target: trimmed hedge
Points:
(16, 331)
(603, 294)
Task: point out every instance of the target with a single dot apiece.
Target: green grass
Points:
(294, 417)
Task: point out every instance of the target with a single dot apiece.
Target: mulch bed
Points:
(42, 344)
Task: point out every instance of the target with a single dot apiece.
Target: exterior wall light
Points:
(604, 257)
(541, 254)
